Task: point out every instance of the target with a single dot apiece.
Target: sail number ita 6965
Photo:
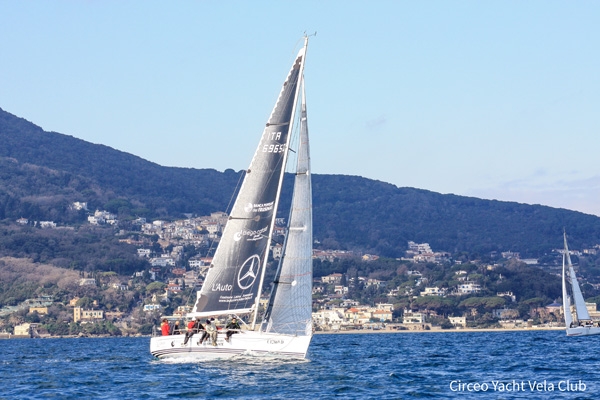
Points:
(274, 148)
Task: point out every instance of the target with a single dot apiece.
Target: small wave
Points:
(252, 358)
(177, 360)
(345, 389)
(435, 355)
(541, 339)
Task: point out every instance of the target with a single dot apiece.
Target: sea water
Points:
(499, 365)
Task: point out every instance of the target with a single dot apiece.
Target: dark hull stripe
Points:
(175, 351)
(583, 333)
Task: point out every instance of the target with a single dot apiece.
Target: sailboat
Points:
(234, 280)
(578, 323)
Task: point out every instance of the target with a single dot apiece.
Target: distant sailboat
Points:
(234, 281)
(578, 323)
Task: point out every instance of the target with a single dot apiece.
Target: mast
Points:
(302, 57)
(565, 295)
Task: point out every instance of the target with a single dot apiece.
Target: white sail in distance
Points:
(580, 308)
(565, 296)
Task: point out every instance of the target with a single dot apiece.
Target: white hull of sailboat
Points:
(583, 331)
(247, 343)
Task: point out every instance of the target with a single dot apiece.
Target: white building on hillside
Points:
(433, 291)
(458, 321)
(411, 317)
(468, 288)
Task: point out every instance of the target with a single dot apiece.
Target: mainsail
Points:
(234, 279)
(580, 308)
(289, 309)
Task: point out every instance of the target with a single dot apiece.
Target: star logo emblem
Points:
(248, 272)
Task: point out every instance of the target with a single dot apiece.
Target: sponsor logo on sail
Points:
(248, 272)
(261, 207)
(218, 287)
(252, 235)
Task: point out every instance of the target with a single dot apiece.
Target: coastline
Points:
(349, 332)
(367, 331)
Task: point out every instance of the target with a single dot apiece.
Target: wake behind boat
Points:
(579, 322)
(234, 281)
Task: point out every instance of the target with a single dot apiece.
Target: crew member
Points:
(176, 329)
(210, 330)
(232, 327)
(164, 327)
(192, 327)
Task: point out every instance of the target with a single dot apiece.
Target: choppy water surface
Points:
(527, 365)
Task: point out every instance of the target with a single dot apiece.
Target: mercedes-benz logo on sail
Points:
(248, 272)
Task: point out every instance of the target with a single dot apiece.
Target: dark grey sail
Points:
(234, 279)
(290, 307)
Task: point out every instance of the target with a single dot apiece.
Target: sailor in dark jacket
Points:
(232, 327)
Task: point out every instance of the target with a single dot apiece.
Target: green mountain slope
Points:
(115, 173)
(43, 172)
(380, 216)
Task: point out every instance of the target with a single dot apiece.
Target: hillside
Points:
(99, 173)
(43, 172)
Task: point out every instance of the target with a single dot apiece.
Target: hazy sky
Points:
(496, 100)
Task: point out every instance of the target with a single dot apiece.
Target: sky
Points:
(495, 100)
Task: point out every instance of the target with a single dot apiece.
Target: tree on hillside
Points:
(483, 304)
(441, 305)
(155, 288)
